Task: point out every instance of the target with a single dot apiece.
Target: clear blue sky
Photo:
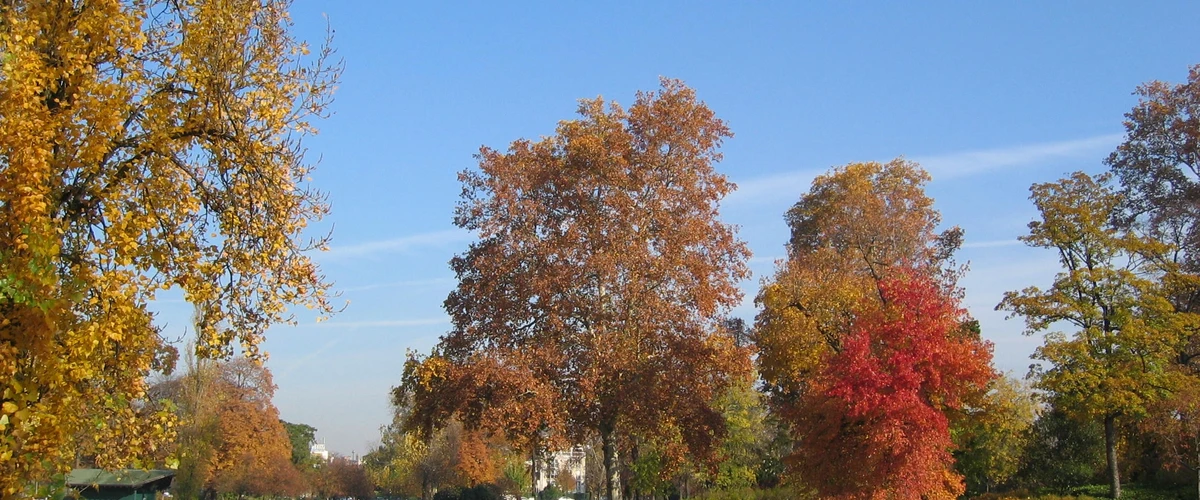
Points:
(989, 97)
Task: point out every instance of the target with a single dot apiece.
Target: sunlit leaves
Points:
(1113, 296)
(1158, 165)
(848, 231)
(1122, 329)
(143, 146)
(993, 435)
(230, 437)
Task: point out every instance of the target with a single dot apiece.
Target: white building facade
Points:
(572, 461)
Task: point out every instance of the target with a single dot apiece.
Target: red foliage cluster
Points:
(875, 423)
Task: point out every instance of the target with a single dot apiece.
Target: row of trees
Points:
(149, 146)
(231, 441)
(590, 311)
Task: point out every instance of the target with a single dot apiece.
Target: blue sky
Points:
(990, 98)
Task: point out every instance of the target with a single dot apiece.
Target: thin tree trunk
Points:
(1110, 446)
(533, 470)
(634, 454)
(610, 452)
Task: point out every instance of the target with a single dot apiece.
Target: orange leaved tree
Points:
(230, 438)
(599, 276)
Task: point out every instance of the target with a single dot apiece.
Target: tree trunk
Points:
(1110, 447)
(610, 453)
(533, 470)
(634, 454)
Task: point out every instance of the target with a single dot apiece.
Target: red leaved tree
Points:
(874, 424)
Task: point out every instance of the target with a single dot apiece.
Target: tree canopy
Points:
(1110, 292)
(847, 233)
(861, 339)
(600, 276)
(144, 146)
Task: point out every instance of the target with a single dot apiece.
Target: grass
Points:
(1131, 491)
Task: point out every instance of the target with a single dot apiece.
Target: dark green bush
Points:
(481, 492)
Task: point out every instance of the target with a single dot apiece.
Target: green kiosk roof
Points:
(127, 478)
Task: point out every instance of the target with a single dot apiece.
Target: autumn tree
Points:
(391, 465)
(1125, 332)
(231, 438)
(1174, 424)
(856, 224)
(748, 435)
(590, 304)
(515, 477)
(849, 328)
(1158, 167)
(144, 146)
(410, 462)
(342, 477)
(876, 422)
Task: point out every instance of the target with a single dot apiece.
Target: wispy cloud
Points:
(788, 186)
(382, 323)
(401, 244)
(299, 363)
(975, 162)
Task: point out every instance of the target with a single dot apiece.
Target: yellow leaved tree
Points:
(1113, 295)
(144, 145)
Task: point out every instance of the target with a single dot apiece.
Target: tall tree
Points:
(861, 227)
(1158, 166)
(144, 145)
(748, 435)
(847, 233)
(1126, 332)
(602, 270)
(231, 438)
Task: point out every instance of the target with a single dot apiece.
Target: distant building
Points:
(318, 450)
(572, 461)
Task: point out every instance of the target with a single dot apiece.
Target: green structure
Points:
(126, 484)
